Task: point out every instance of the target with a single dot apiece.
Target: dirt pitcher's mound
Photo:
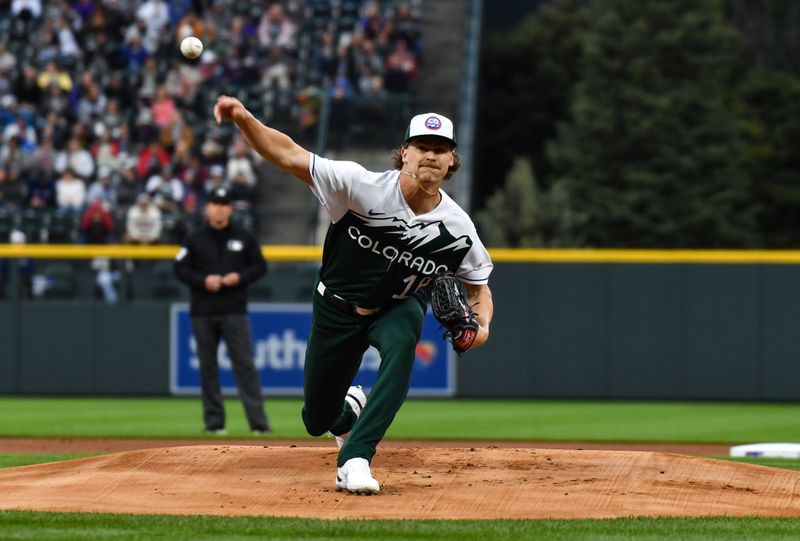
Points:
(416, 483)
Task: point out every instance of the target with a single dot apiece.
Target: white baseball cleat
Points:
(355, 476)
(357, 400)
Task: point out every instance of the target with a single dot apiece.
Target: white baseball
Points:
(191, 47)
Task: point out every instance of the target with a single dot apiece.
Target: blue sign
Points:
(280, 336)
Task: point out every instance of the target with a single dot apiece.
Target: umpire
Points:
(217, 262)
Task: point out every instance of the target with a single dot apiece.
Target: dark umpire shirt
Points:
(219, 251)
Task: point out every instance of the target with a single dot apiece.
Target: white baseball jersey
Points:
(377, 251)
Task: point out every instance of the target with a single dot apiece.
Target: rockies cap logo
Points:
(433, 123)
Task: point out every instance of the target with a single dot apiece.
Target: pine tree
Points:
(771, 102)
(653, 154)
(527, 77)
(511, 214)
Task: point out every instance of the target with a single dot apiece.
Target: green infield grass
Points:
(551, 420)
(63, 526)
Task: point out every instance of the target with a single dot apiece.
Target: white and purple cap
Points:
(431, 124)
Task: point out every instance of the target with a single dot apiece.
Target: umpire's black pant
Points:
(235, 330)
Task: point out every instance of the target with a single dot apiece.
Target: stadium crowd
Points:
(106, 132)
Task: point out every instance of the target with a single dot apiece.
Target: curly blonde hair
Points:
(397, 161)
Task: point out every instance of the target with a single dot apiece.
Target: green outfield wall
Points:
(718, 328)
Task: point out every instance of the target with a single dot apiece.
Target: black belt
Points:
(343, 304)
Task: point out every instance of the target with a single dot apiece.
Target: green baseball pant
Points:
(336, 344)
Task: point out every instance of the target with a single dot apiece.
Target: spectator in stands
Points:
(166, 190)
(129, 186)
(372, 22)
(151, 159)
(149, 80)
(7, 60)
(235, 36)
(83, 134)
(189, 25)
(210, 69)
(134, 55)
(13, 154)
(181, 154)
(56, 128)
(101, 53)
(128, 150)
(106, 278)
(77, 158)
(113, 117)
(84, 8)
(41, 192)
(45, 42)
(326, 56)
(67, 45)
(190, 219)
(243, 195)
(8, 110)
(56, 100)
(212, 150)
(178, 9)
(176, 134)
(216, 178)
(361, 52)
(15, 190)
(163, 108)
(52, 74)
(125, 95)
(97, 224)
(276, 72)
(25, 269)
(275, 28)
(70, 193)
(44, 157)
(401, 69)
(92, 104)
(370, 83)
(96, 227)
(405, 27)
(181, 83)
(105, 151)
(195, 175)
(240, 70)
(26, 9)
(155, 15)
(23, 132)
(103, 189)
(241, 162)
(26, 87)
(143, 222)
(194, 186)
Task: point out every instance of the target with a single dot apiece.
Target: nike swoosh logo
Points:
(373, 213)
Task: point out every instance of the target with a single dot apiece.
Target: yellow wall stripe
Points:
(499, 255)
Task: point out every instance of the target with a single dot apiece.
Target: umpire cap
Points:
(219, 195)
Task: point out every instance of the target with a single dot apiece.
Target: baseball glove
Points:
(451, 310)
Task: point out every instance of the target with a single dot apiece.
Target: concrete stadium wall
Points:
(605, 330)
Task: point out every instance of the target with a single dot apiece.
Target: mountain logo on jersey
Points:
(426, 247)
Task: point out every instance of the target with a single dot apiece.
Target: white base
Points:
(767, 450)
